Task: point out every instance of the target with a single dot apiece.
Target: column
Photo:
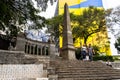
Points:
(30, 49)
(33, 50)
(37, 50)
(26, 47)
(41, 50)
(45, 50)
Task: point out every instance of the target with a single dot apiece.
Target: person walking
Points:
(90, 52)
(83, 52)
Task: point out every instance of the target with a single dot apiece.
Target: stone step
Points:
(77, 64)
(86, 72)
(83, 66)
(79, 68)
(89, 76)
(83, 70)
(29, 60)
(41, 59)
(97, 78)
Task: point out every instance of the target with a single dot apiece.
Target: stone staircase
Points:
(16, 65)
(59, 69)
(81, 70)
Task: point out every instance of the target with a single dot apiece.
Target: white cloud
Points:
(110, 3)
(50, 11)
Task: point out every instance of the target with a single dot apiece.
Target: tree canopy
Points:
(117, 44)
(113, 21)
(53, 25)
(91, 21)
(19, 12)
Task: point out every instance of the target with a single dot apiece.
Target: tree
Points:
(55, 25)
(83, 26)
(117, 44)
(90, 22)
(19, 12)
(113, 21)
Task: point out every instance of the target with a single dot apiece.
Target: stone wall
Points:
(11, 57)
(13, 72)
(26, 79)
(15, 57)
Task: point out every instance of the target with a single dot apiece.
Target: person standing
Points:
(83, 52)
(90, 52)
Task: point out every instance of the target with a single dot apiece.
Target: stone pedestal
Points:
(68, 53)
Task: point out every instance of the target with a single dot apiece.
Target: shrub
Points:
(104, 58)
(78, 53)
(117, 44)
(96, 49)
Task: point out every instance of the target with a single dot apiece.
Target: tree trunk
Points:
(85, 40)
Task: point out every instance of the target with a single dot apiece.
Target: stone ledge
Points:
(42, 79)
(8, 51)
(24, 79)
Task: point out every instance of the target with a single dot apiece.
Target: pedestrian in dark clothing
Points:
(83, 52)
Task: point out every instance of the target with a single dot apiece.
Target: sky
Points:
(106, 4)
(110, 3)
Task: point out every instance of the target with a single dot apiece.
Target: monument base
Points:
(68, 53)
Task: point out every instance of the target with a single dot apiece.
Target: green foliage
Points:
(19, 12)
(53, 25)
(116, 58)
(91, 21)
(96, 49)
(103, 58)
(117, 44)
(78, 53)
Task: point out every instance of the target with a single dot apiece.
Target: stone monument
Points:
(68, 50)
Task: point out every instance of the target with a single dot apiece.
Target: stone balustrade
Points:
(36, 48)
(33, 47)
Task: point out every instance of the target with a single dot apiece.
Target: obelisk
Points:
(68, 49)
